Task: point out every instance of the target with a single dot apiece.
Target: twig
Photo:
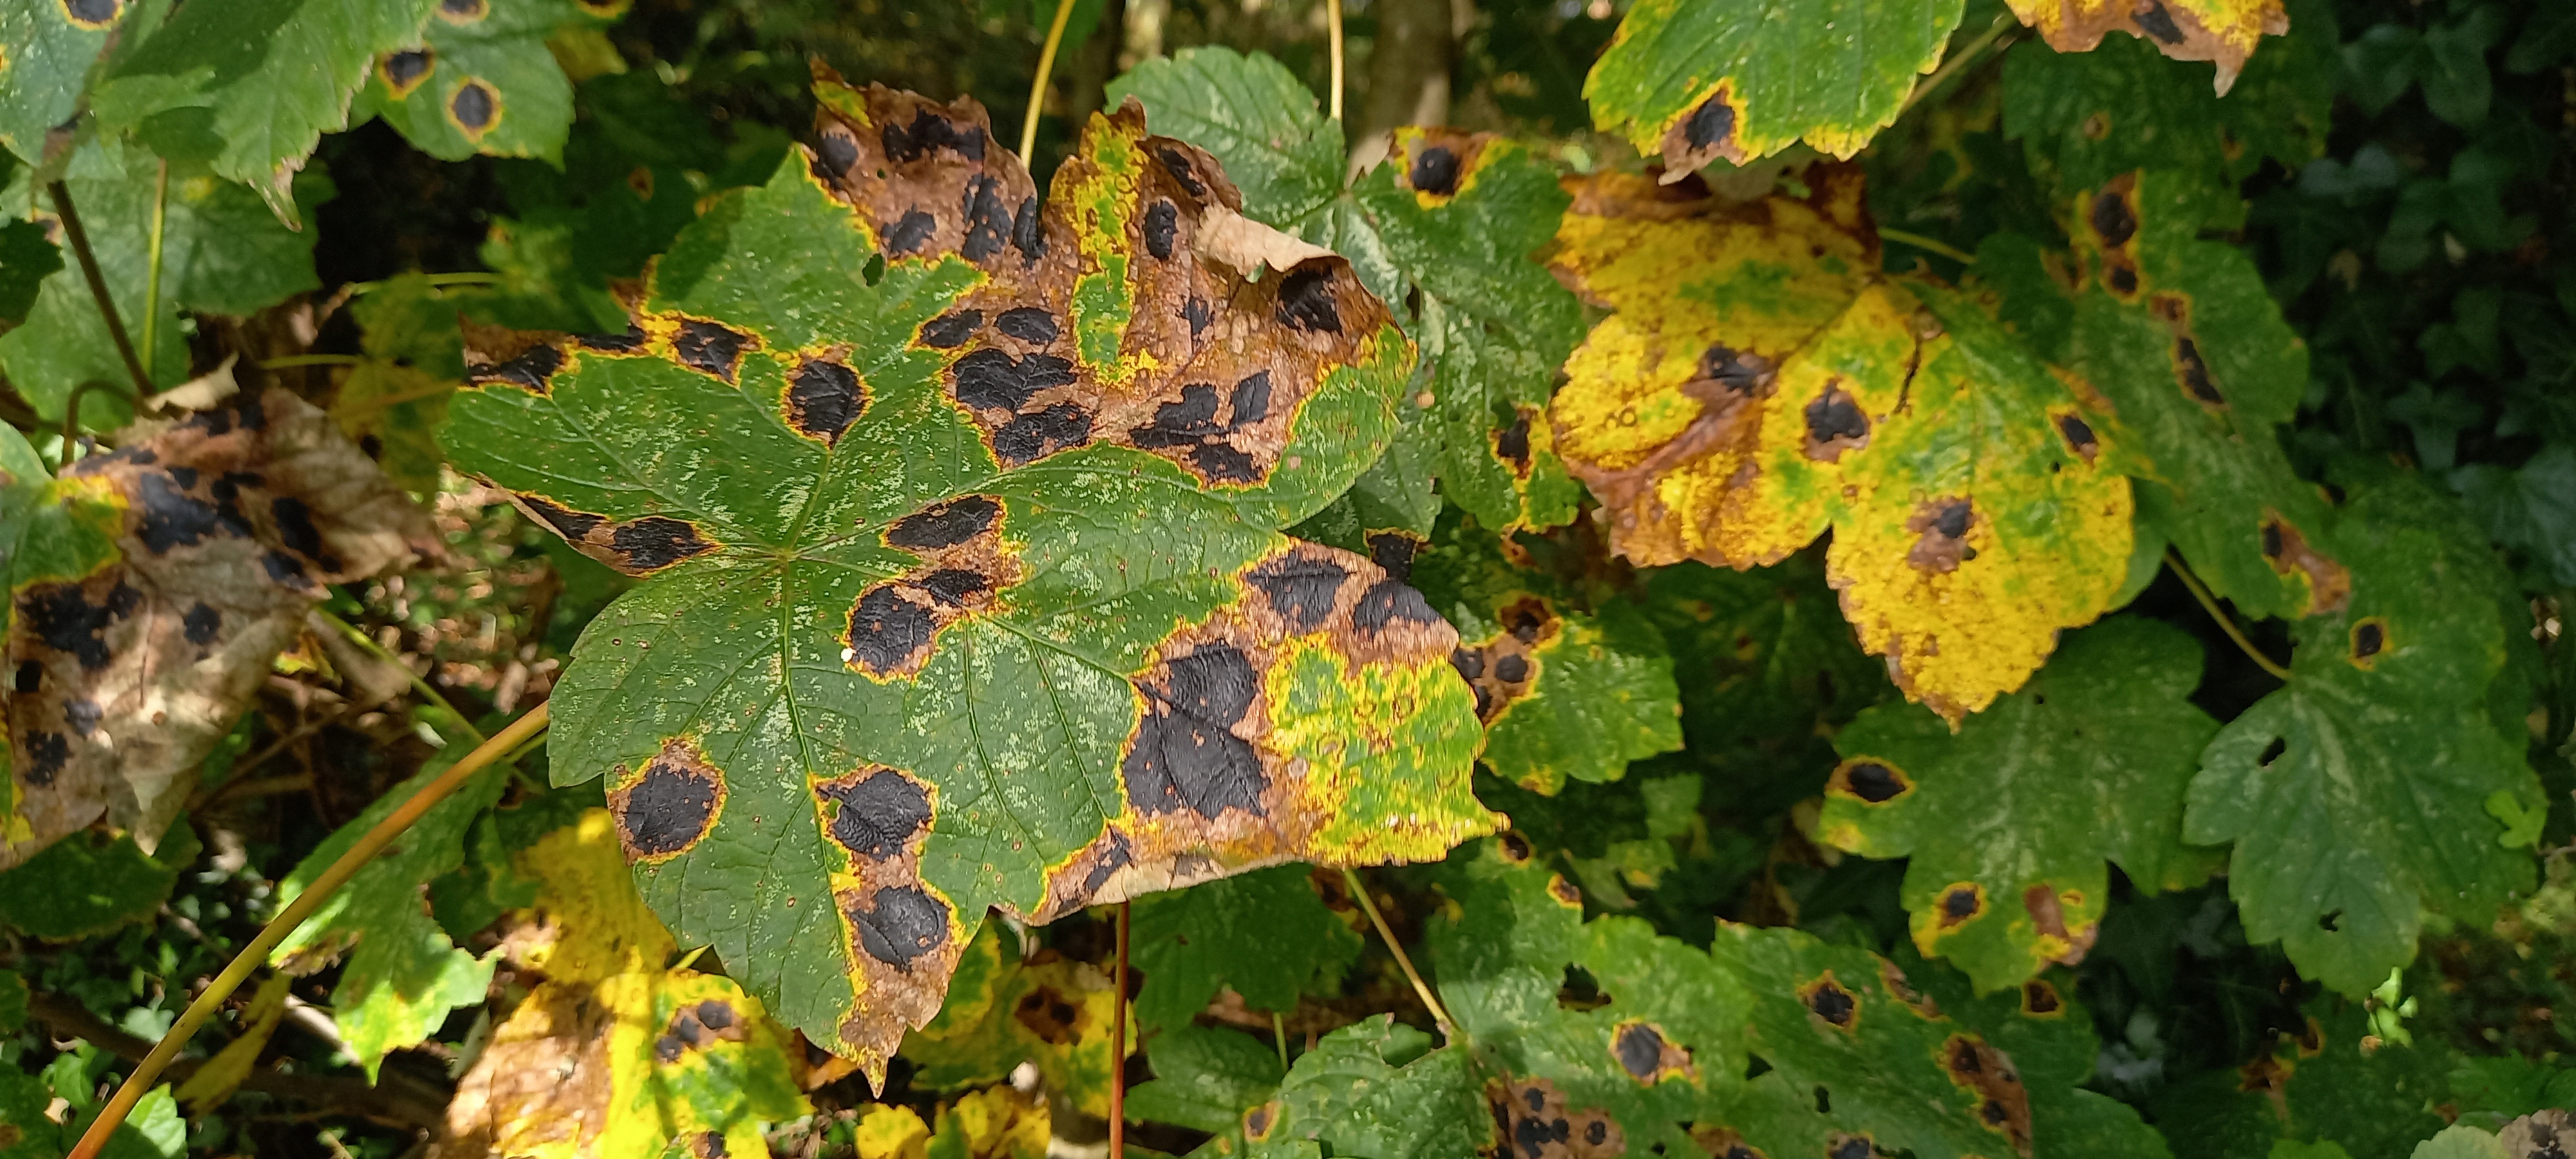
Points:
(1038, 87)
(252, 956)
(98, 286)
(1928, 244)
(152, 278)
(1421, 989)
(2209, 603)
(1957, 62)
(465, 279)
(1279, 1038)
(1333, 38)
(419, 685)
(293, 360)
(1118, 1046)
(399, 1098)
(71, 411)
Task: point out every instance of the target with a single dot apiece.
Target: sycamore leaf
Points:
(2009, 821)
(1265, 934)
(1699, 80)
(2221, 31)
(1566, 692)
(2356, 794)
(150, 587)
(479, 78)
(1761, 382)
(1002, 1011)
(1448, 224)
(46, 52)
(962, 590)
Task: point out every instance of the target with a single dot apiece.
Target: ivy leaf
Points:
(1743, 79)
(2008, 822)
(1449, 224)
(221, 253)
(252, 87)
(151, 586)
(2356, 794)
(2531, 508)
(1003, 1011)
(46, 52)
(1566, 692)
(1266, 934)
(2225, 32)
(480, 79)
(1761, 383)
(962, 590)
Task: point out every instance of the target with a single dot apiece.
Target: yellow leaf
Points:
(891, 1132)
(588, 924)
(214, 1082)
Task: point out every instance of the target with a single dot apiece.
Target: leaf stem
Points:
(1279, 1038)
(2209, 603)
(418, 684)
(1957, 62)
(293, 360)
(1333, 37)
(152, 278)
(1929, 245)
(1421, 989)
(71, 413)
(1038, 87)
(98, 286)
(463, 279)
(1118, 1046)
(255, 954)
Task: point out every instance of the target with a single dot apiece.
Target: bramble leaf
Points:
(1265, 934)
(1761, 382)
(962, 590)
(2221, 31)
(1699, 81)
(2008, 822)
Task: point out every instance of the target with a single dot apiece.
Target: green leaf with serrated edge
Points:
(1448, 224)
(479, 80)
(2355, 795)
(1699, 80)
(221, 253)
(1265, 934)
(1205, 1078)
(1371, 1088)
(2323, 1084)
(27, 258)
(2531, 508)
(23, 1101)
(940, 567)
(1004, 1011)
(93, 882)
(2049, 1038)
(2087, 117)
(1566, 692)
(46, 50)
(253, 84)
(2181, 337)
(2009, 820)
(403, 975)
(1760, 654)
(2460, 1142)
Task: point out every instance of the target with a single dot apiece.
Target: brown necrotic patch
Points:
(1211, 431)
(1512, 445)
(709, 347)
(2039, 999)
(463, 11)
(1300, 587)
(1192, 748)
(2329, 585)
(2003, 1106)
(647, 545)
(1535, 1123)
(698, 1026)
(964, 568)
(1505, 669)
(1737, 373)
(474, 107)
(1724, 1143)
(1902, 990)
(2192, 372)
(668, 807)
(1942, 525)
(2077, 434)
(1869, 780)
(2047, 909)
(1258, 1121)
(1958, 905)
(404, 71)
(1835, 424)
(1702, 135)
(928, 178)
(1843, 1146)
(876, 814)
(898, 924)
(1563, 892)
(2369, 639)
(823, 398)
(496, 357)
(1512, 847)
(946, 524)
(1646, 1054)
(626, 341)
(1830, 1002)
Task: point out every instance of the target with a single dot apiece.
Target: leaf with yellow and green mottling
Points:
(2224, 32)
(962, 589)
(1761, 382)
(1003, 1012)
(480, 79)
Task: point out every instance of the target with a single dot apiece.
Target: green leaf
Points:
(1205, 1078)
(1762, 654)
(251, 85)
(1371, 1088)
(46, 51)
(27, 258)
(1266, 934)
(2532, 508)
(2458, 1143)
(398, 397)
(960, 593)
(13, 1001)
(402, 975)
(29, 1134)
(221, 253)
(2049, 1039)
(1449, 224)
(480, 80)
(91, 883)
(2009, 821)
(2325, 1085)
(2355, 795)
(1743, 79)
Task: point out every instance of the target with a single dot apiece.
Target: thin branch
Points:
(1333, 35)
(1118, 1046)
(98, 286)
(312, 360)
(400, 1098)
(252, 956)
(1958, 62)
(1929, 245)
(2209, 603)
(1038, 87)
(419, 685)
(1421, 989)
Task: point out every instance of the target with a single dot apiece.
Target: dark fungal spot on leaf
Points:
(2122, 279)
(1827, 1000)
(1564, 892)
(1030, 437)
(836, 152)
(475, 107)
(1943, 527)
(572, 525)
(83, 716)
(1162, 225)
(1178, 166)
(1834, 424)
(954, 586)
(988, 221)
(709, 347)
(1640, 1048)
(1851, 1147)
(1186, 421)
(1185, 753)
(875, 812)
(2112, 219)
(1873, 782)
(1512, 446)
(1394, 551)
(1198, 314)
(888, 633)
(1258, 1120)
(911, 231)
(627, 341)
(928, 131)
(1514, 847)
(1388, 602)
(1250, 400)
(283, 568)
(951, 330)
(2153, 20)
(1960, 1055)
(62, 615)
(2272, 540)
(1027, 234)
(654, 542)
(944, 524)
(1050, 1016)
(2369, 638)
(2079, 436)
(528, 371)
(1300, 588)
(669, 807)
(168, 517)
(823, 399)
(464, 11)
(295, 529)
(1994, 1113)
(901, 924)
(709, 1145)
(92, 14)
(1117, 855)
(47, 753)
(2039, 998)
(1028, 324)
(1306, 301)
(1512, 669)
(2193, 373)
(1959, 904)
(200, 624)
(1434, 171)
(1710, 125)
(30, 677)
(992, 379)
(1737, 371)
(403, 71)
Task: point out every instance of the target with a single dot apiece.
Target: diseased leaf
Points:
(2224, 32)
(1204, 1079)
(1448, 225)
(149, 588)
(1004, 1011)
(480, 79)
(2049, 1039)
(1700, 80)
(2009, 821)
(1761, 383)
(1371, 1088)
(2322, 1085)
(2356, 794)
(1265, 934)
(962, 590)
(46, 51)
(993, 1123)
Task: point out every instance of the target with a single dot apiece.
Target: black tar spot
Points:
(1306, 301)
(823, 399)
(474, 106)
(2039, 997)
(1026, 234)
(2156, 22)
(949, 331)
(1030, 324)
(875, 817)
(1182, 423)
(993, 379)
(1833, 1004)
(988, 221)
(283, 568)
(1469, 662)
(1393, 551)
(709, 347)
(1855, 1147)
(201, 623)
(1222, 463)
(944, 525)
(668, 809)
(1711, 124)
(1300, 588)
(1835, 415)
(1953, 519)
(30, 677)
(83, 716)
(2195, 372)
(1512, 445)
(2367, 640)
(1119, 855)
(1512, 669)
(886, 630)
(910, 231)
(1435, 171)
(47, 753)
(1640, 1050)
(62, 616)
(1198, 314)
(1185, 753)
(627, 342)
(928, 131)
(655, 541)
(1030, 437)
(1959, 904)
(171, 517)
(404, 69)
(568, 523)
(1251, 400)
(296, 530)
(1874, 782)
(836, 152)
(2112, 221)
(954, 586)
(1391, 601)
(1179, 167)
(93, 13)
(1162, 223)
(2078, 434)
(904, 924)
